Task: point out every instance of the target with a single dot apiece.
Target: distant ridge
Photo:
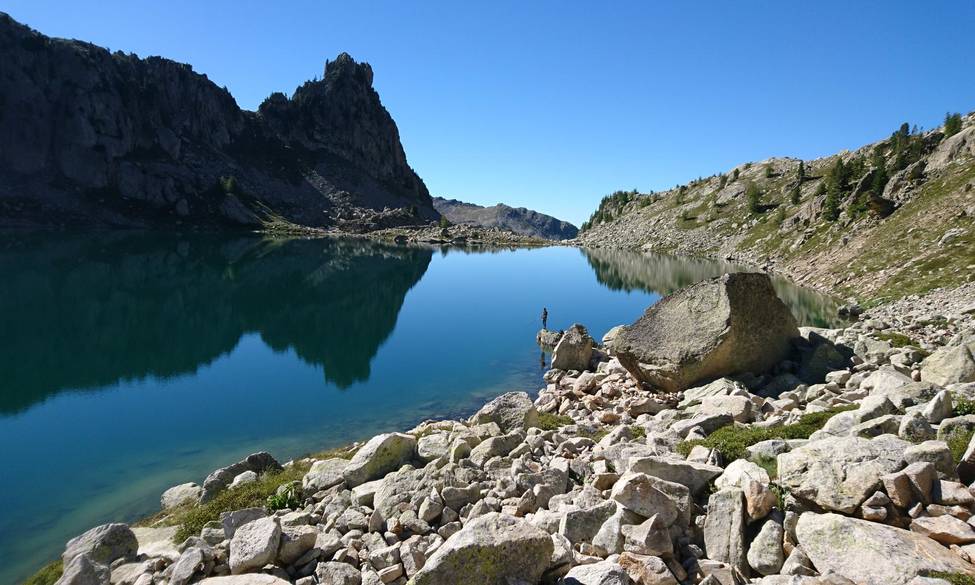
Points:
(519, 220)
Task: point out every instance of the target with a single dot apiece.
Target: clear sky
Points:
(552, 104)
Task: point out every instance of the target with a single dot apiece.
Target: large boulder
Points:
(103, 544)
(870, 553)
(950, 365)
(220, 479)
(324, 474)
(379, 456)
(494, 549)
(647, 495)
(839, 473)
(574, 350)
(511, 411)
(84, 571)
(724, 528)
(727, 325)
(185, 493)
(694, 475)
(254, 545)
(252, 579)
(601, 573)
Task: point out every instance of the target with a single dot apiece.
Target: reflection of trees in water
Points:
(658, 273)
(89, 311)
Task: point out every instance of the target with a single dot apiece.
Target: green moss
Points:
(548, 421)
(191, 520)
(896, 339)
(48, 575)
(953, 578)
(732, 441)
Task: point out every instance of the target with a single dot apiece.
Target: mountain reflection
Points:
(88, 311)
(628, 270)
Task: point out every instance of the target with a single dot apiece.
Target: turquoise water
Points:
(133, 362)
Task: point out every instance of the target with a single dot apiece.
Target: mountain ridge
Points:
(519, 220)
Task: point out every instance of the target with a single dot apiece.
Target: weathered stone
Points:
(601, 573)
(220, 479)
(379, 456)
(650, 537)
(495, 447)
(694, 475)
(433, 446)
(740, 408)
(494, 549)
(765, 554)
(231, 521)
(839, 473)
(512, 411)
(724, 528)
(914, 427)
(186, 493)
(719, 387)
(574, 349)
(103, 544)
(254, 545)
(647, 495)
(81, 570)
(583, 524)
(871, 553)
(949, 365)
(324, 474)
(944, 529)
(252, 579)
(192, 560)
(295, 542)
(647, 570)
(335, 573)
(727, 325)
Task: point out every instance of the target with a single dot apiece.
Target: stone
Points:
(295, 542)
(220, 479)
(433, 446)
(738, 472)
(495, 447)
(574, 350)
(609, 538)
(944, 529)
(870, 553)
(914, 427)
(547, 338)
(231, 521)
(192, 560)
(839, 473)
(765, 554)
(252, 579)
(178, 495)
(601, 573)
(938, 408)
(797, 563)
(952, 493)
(759, 499)
(647, 570)
(493, 549)
(949, 365)
(82, 570)
(696, 476)
(254, 545)
(242, 478)
(719, 387)
(740, 408)
(380, 455)
(512, 411)
(324, 474)
(335, 573)
(650, 537)
(582, 525)
(724, 528)
(103, 544)
(728, 325)
(647, 495)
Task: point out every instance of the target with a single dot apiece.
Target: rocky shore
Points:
(676, 451)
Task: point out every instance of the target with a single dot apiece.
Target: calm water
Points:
(132, 362)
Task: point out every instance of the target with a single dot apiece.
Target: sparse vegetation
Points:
(548, 421)
(48, 575)
(953, 578)
(753, 194)
(952, 124)
(962, 406)
(896, 339)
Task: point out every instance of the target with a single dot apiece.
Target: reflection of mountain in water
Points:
(629, 270)
(85, 312)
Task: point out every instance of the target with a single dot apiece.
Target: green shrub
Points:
(444, 222)
(548, 421)
(953, 578)
(732, 441)
(896, 339)
(48, 575)
(952, 124)
(286, 496)
(768, 171)
(228, 184)
(962, 406)
(795, 195)
(638, 432)
(754, 197)
(958, 443)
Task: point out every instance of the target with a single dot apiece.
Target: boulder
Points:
(724, 528)
(335, 573)
(295, 542)
(254, 545)
(574, 350)
(81, 570)
(601, 573)
(548, 338)
(379, 456)
(694, 475)
(433, 446)
(944, 529)
(186, 493)
(103, 544)
(839, 473)
(220, 479)
(324, 474)
(582, 525)
(765, 554)
(950, 365)
(647, 570)
(511, 411)
(193, 560)
(493, 549)
(233, 520)
(647, 495)
(727, 325)
(252, 579)
(870, 553)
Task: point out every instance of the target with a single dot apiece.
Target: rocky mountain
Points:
(519, 220)
(890, 219)
(90, 137)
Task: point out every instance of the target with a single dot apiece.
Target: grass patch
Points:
(961, 405)
(638, 432)
(953, 578)
(896, 339)
(594, 434)
(548, 421)
(958, 443)
(732, 441)
(252, 495)
(770, 465)
(48, 575)
(344, 452)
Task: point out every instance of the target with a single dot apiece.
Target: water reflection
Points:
(630, 270)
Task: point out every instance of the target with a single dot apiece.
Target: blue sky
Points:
(552, 104)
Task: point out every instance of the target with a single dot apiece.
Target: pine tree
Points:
(952, 124)
(795, 195)
(754, 196)
(801, 173)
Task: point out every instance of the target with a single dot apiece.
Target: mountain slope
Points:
(890, 219)
(89, 137)
(519, 220)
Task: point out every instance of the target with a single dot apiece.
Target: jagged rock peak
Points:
(345, 67)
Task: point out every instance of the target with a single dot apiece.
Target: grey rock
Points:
(765, 554)
(583, 524)
(574, 350)
(334, 573)
(254, 545)
(724, 528)
(647, 495)
(186, 493)
(193, 560)
(103, 544)
(694, 475)
(220, 479)
(81, 570)
(379, 456)
(949, 365)
(252, 579)
(231, 521)
(324, 474)
(511, 411)
(295, 542)
(686, 337)
(601, 573)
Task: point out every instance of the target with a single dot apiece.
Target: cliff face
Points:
(89, 137)
(890, 219)
(519, 220)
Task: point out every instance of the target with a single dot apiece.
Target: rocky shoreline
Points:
(849, 460)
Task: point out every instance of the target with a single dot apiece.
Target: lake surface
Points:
(133, 362)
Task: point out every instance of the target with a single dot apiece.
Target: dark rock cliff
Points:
(89, 137)
(519, 220)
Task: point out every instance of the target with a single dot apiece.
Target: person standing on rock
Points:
(544, 318)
